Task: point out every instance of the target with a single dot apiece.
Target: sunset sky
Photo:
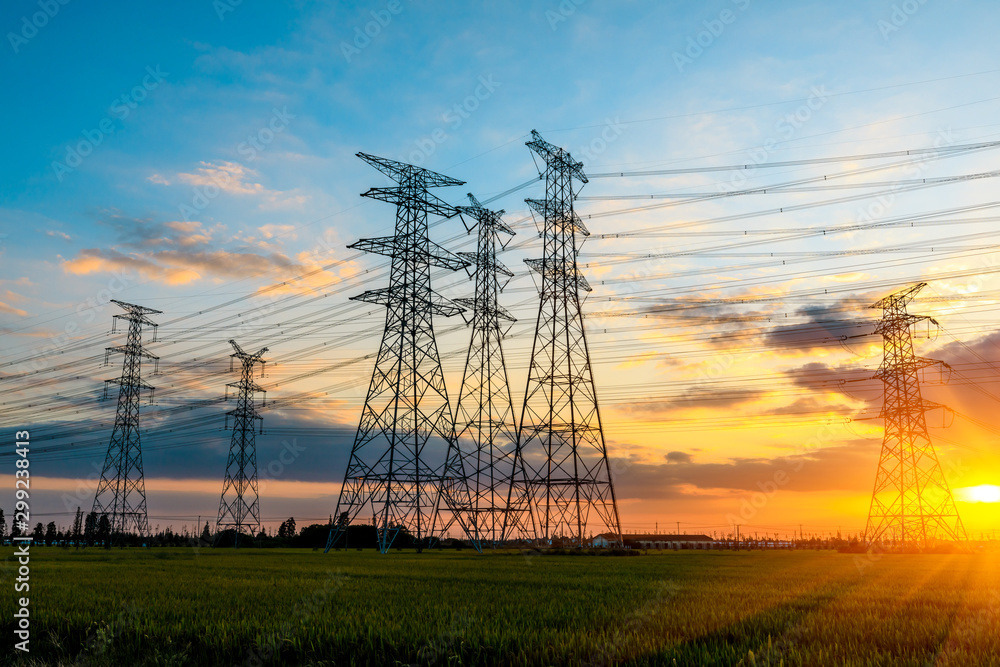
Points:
(199, 159)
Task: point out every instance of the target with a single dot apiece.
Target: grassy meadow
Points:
(220, 607)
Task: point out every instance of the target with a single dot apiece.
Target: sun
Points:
(984, 493)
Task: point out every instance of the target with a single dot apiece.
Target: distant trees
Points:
(3, 526)
(38, 535)
(286, 530)
(51, 533)
(206, 535)
(103, 533)
(77, 534)
(90, 529)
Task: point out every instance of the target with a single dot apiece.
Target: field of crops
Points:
(219, 607)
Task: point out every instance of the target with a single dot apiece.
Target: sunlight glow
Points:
(984, 493)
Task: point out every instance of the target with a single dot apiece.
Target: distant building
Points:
(656, 541)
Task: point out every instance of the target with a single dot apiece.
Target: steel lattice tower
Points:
(911, 502)
(240, 482)
(485, 412)
(121, 493)
(394, 469)
(560, 437)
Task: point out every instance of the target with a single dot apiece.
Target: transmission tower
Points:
(560, 438)
(404, 463)
(239, 507)
(121, 493)
(911, 502)
(485, 413)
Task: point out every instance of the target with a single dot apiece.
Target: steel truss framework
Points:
(484, 417)
(560, 438)
(406, 410)
(239, 507)
(911, 501)
(121, 493)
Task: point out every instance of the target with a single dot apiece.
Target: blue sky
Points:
(227, 135)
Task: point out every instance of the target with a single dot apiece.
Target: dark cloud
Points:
(696, 397)
(287, 450)
(852, 381)
(844, 467)
(813, 327)
(678, 457)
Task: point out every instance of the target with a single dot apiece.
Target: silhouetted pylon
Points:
(121, 493)
(239, 507)
(404, 465)
(561, 439)
(484, 418)
(911, 501)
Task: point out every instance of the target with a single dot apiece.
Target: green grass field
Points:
(219, 607)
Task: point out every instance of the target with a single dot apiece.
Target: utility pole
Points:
(485, 412)
(121, 492)
(561, 437)
(404, 463)
(911, 500)
(239, 506)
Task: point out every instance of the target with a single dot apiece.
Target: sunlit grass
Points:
(303, 607)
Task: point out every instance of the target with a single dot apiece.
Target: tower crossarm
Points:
(127, 383)
(404, 195)
(487, 309)
(401, 172)
(250, 385)
(394, 297)
(890, 369)
(548, 269)
(552, 212)
(251, 358)
(391, 246)
(485, 216)
(135, 350)
(556, 156)
(487, 261)
(898, 299)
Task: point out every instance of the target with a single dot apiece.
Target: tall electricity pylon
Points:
(121, 493)
(485, 412)
(911, 502)
(560, 437)
(404, 464)
(239, 507)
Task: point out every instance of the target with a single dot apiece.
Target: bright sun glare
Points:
(984, 493)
